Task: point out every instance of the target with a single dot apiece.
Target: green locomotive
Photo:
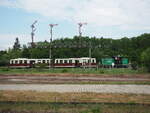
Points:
(116, 62)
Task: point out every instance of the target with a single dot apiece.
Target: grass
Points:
(32, 96)
(72, 108)
(120, 71)
(42, 102)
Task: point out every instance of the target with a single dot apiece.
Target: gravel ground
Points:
(134, 89)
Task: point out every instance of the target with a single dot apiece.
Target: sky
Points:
(104, 18)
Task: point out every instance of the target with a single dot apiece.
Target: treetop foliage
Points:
(131, 48)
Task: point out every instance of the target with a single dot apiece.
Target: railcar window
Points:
(16, 62)
(20, 61)
(93, 61)
(43, 61)
(39, 61)
(61, 61)
(84, 61)
(56, 61)
(48, 61)
(11, 62)
(25, 61)
(70, 61)
(65, 61)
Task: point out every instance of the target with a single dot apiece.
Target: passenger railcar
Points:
(75, 62)
(60, 62)
(27, 63)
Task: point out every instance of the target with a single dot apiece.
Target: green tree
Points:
(25, 52)
(3, 58)
(145, 58)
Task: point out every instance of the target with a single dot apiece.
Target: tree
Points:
(25, 52)
(145, 58)
(3, 58)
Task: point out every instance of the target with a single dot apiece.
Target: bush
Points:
(145, 58)
(134, 65)
(4, 62)
(40, 67)
(64, 71)
(101, 71)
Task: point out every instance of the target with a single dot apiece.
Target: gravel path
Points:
(134, 89)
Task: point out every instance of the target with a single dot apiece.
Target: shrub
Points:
(5, 69)
(40, 67)
(64, 71)
(101, 71)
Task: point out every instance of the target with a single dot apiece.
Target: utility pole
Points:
(90, 54)
(51, 39)
(33, 33)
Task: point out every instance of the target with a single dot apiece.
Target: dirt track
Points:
(30, 79)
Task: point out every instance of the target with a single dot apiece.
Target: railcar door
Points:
(32, 63)
(77, 63)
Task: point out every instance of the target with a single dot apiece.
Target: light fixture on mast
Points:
(33, 33)
(80, 25)
(51, 39)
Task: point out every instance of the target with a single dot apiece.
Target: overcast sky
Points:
(107, 18)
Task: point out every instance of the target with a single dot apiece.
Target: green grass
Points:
(45, 102)
(120, 71)
(73, 108)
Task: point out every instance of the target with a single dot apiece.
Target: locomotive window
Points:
(70, 61)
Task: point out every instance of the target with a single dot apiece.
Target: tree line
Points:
(136, 49)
